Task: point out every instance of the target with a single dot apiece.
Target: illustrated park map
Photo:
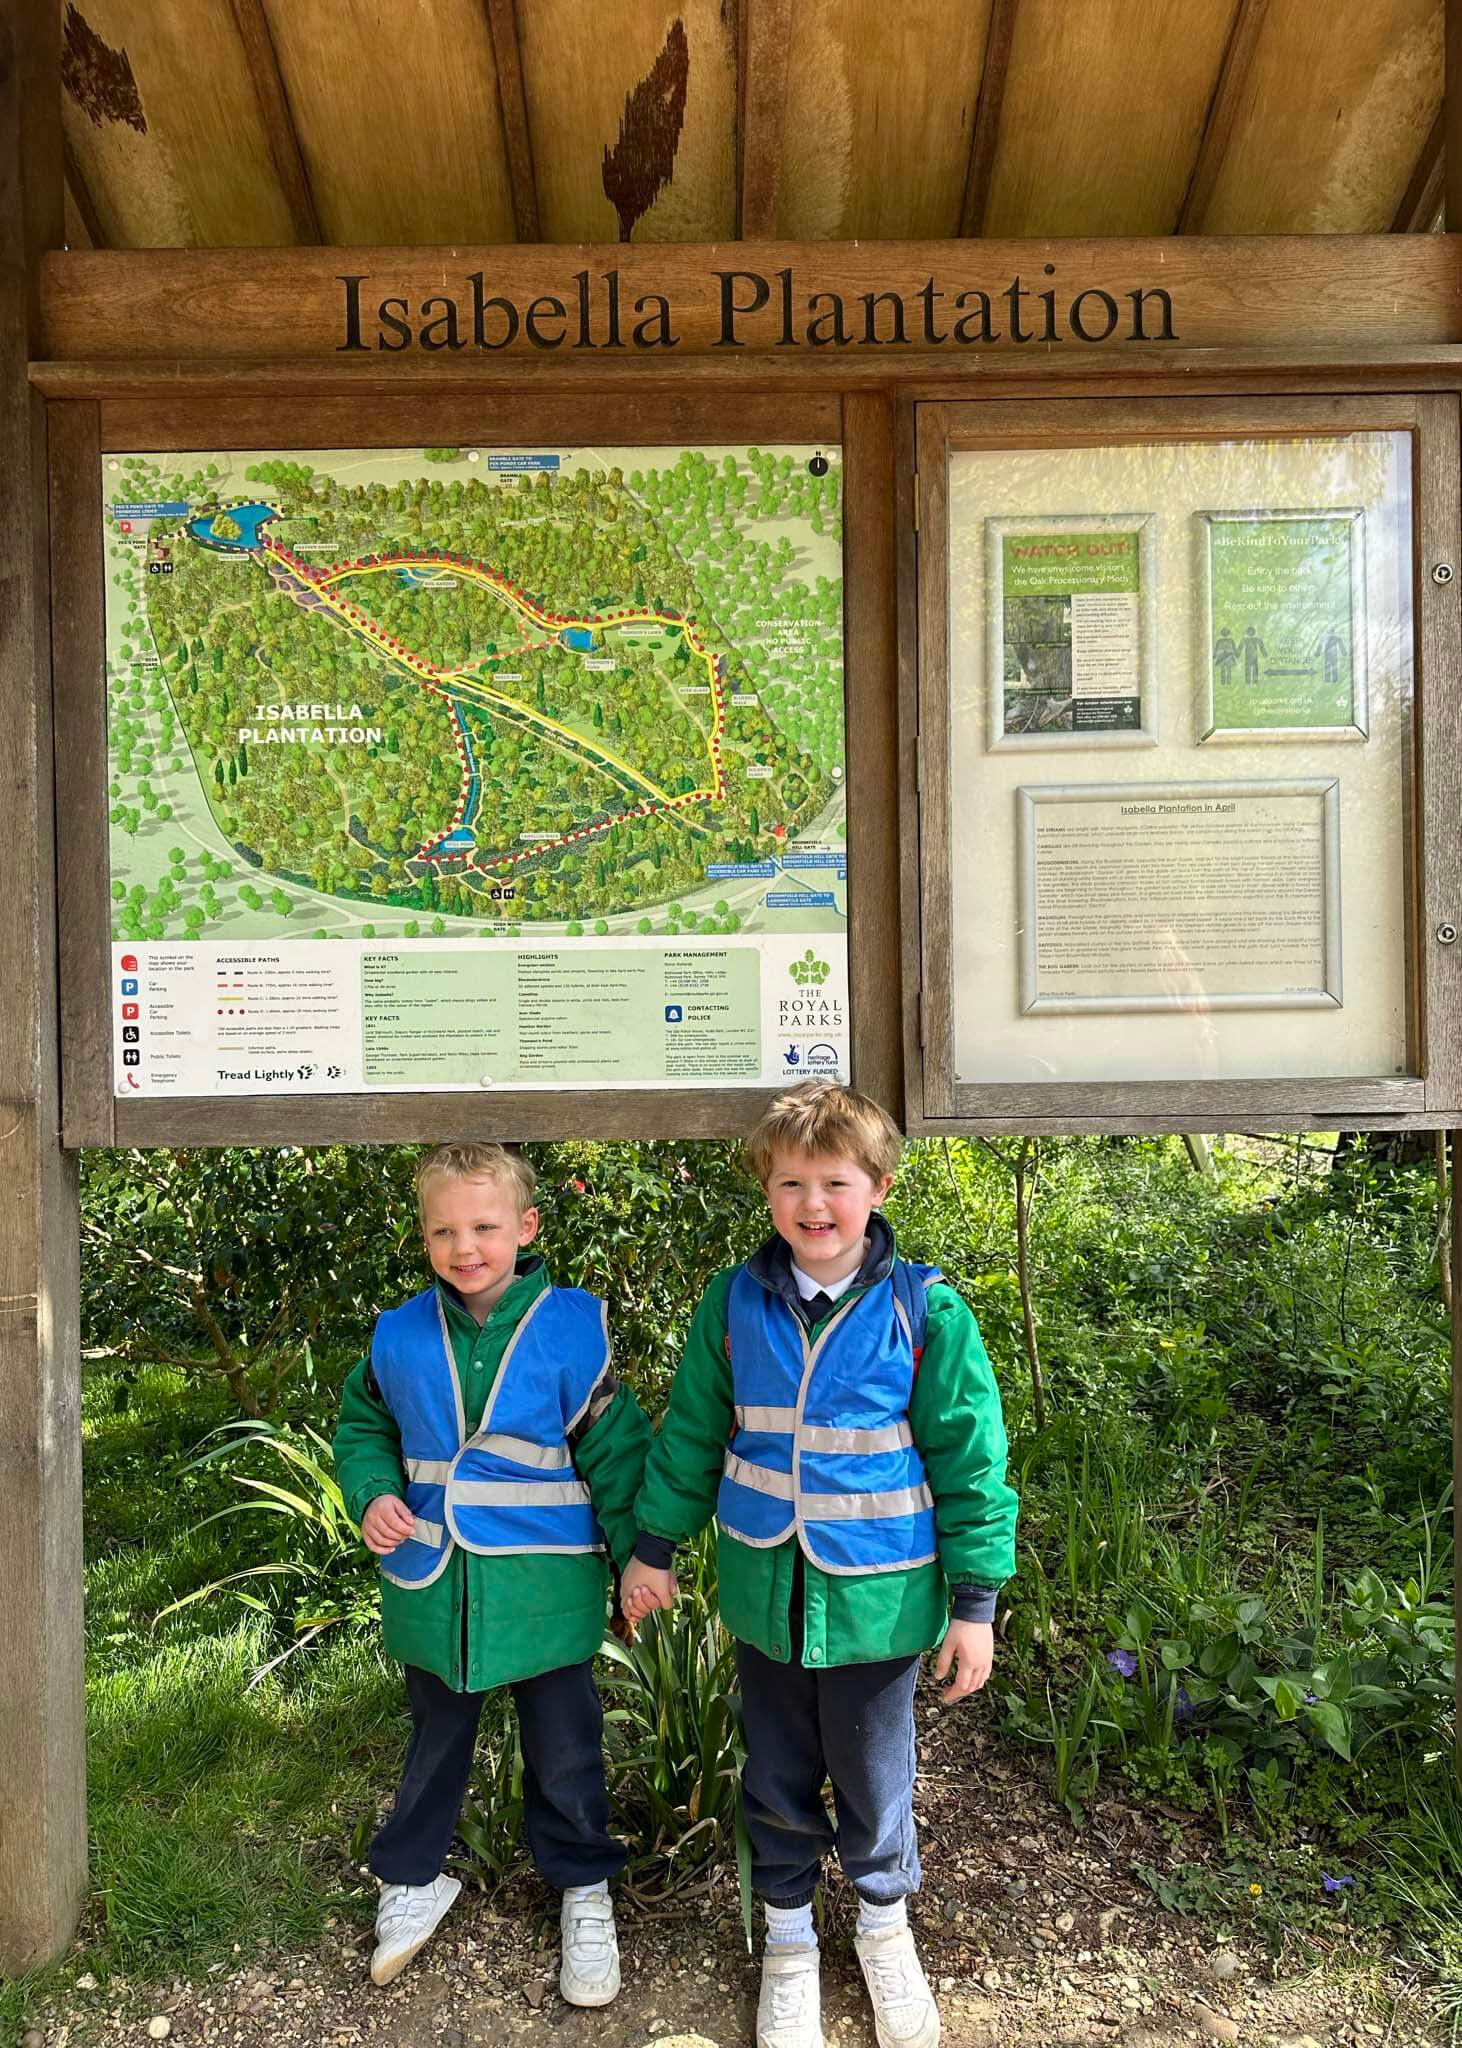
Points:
(474, 768)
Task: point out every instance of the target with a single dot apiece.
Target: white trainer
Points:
(406, 1919)
(589, 1971)
(789, 2010)
(904, 2012)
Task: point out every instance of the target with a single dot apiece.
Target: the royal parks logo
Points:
(813, 1009)
(809, 971)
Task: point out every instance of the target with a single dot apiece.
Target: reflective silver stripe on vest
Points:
(430, 1533)
(519, 1449)
(859, 1507)
(894, 1436)
(546, 1457)
(757, 1477)
(519, 1493)
(777, 1421)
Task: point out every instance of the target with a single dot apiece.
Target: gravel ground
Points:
(490, 1976)
(1031, 1932)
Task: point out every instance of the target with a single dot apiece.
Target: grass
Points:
(221, 1813)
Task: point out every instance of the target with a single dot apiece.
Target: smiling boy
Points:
(490, 1456)
(835, 1408)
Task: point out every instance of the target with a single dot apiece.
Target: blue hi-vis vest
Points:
(511, 1489)
(822, 1442)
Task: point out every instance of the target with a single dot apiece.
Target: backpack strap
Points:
(911, 1286)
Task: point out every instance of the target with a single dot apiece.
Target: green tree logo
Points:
(809, 971)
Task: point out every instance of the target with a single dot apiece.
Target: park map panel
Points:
(475, 768)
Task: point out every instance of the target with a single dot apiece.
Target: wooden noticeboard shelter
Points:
(1131, 396)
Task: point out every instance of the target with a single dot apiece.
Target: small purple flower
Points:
(1122, 1662)
(1335, 1884)
(1309, 1699)
(1182, 1705)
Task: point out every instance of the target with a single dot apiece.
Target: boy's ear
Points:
(880, 1193)
(527, 1226)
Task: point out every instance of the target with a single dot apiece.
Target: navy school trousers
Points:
(565, 1798)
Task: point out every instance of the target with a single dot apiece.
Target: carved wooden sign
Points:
(826, 301)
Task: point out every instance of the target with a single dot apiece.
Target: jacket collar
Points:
(771, 1266)
(530, 1266)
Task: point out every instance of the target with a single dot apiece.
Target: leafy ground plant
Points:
(676, 1752)
(317, 1575)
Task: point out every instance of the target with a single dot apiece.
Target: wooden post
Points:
(1452, 119)
(42, 1752)
(1452, 222)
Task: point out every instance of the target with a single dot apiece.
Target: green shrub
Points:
(237, 1262)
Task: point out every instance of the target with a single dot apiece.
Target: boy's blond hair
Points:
(824, 1116)
(477, 1162)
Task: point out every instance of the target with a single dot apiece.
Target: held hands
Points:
(643, 1589)
(386, 1524)
(968, 1650)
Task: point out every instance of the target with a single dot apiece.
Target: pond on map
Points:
(248, 519)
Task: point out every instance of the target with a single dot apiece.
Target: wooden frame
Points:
(126, 350)
(84, 433)
(1431, 1093)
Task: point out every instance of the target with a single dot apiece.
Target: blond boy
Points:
(836, 1411)
(491, 1460)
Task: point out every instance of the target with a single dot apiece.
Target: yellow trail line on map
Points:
(472, 686)
(523, 605)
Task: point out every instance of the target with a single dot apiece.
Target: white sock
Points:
(587, 1891)
(876, 1919)
(790, 1926)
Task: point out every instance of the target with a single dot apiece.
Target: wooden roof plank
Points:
(1097, 137)
(1331, 120)
(502, 21)
(998, 43)
(83, 223)
(634, 129)
(1223, 112)
(284, 145)
(397, 116)
(880, 112)
(766, 34)
(1421, 203)
(164, 126)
